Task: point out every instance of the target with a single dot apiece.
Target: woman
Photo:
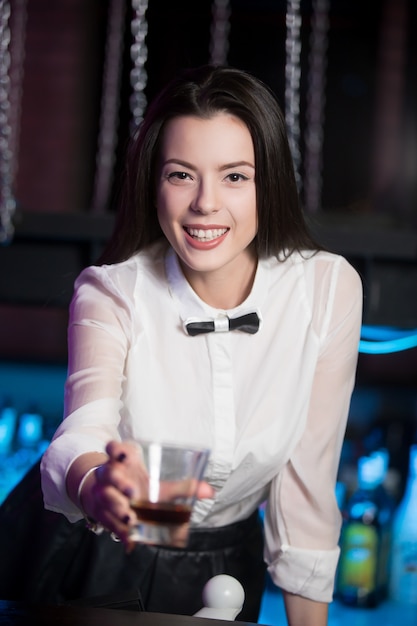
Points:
(210, 228)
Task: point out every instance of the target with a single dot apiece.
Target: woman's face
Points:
(206, 196)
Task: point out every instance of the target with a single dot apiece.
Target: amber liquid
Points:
(162, 512)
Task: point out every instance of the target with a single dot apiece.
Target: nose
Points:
(206, 199)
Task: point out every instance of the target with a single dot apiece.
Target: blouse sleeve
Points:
(98, 339)
(303, 521)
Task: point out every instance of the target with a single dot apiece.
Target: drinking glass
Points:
(166, 492)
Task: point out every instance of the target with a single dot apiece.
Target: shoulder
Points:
(125, 277)
(312, 265)
(334, 291)
(321, 282)
(322, 267)
(339, 273)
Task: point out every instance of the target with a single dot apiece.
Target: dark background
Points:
(368, 206)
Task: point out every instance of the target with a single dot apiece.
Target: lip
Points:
(206, 226)
(204, 245)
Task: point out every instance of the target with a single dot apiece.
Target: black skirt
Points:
(176, 577)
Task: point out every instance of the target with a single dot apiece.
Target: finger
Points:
(122, 451)
(121, 476)
(189, 488)
(204, 490)
(112, 510)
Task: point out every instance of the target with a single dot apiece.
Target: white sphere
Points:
(223, 592)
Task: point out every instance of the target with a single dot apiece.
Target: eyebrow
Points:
(226, 166)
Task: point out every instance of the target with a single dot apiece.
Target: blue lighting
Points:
(385, 340)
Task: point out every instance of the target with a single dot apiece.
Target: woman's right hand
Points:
(107, 492)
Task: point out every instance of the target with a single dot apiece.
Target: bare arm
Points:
(304, 612)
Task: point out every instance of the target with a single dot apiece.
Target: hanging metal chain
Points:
(12, 38)
(7, 201)
(139, 55)
(292, 83)
(110, 99)
(316, 101)
(18, 18)
(219, 32)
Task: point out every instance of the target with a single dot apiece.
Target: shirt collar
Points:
(189, 304)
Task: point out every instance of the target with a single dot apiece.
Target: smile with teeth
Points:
(206, 235)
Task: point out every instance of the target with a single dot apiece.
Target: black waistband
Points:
(201, 539)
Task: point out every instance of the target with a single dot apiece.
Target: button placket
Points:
(219, 346)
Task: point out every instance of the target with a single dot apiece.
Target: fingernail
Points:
(121, 457)
(126, 519)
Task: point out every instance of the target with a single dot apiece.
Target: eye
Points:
(178, 176)
(235, 177)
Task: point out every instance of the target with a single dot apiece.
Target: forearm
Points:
(304, 612)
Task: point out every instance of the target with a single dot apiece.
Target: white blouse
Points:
(272, 406)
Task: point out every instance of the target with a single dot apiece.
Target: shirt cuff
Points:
(307, 573)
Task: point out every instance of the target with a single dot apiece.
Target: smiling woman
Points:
(211, 261)
(206, 201)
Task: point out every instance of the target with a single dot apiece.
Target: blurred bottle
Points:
(403, 582)
(363, 573)
(30, 429)
(8, 420)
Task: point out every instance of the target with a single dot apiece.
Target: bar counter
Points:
(17, 614)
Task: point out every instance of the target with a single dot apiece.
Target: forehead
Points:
(221, 132)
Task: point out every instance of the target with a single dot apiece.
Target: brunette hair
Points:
(202, 93)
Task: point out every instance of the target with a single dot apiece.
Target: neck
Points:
(224, 288)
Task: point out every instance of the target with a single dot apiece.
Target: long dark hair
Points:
(203, 92)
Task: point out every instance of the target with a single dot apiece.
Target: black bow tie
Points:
(248, 323)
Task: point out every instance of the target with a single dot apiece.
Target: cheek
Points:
(172, 204)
